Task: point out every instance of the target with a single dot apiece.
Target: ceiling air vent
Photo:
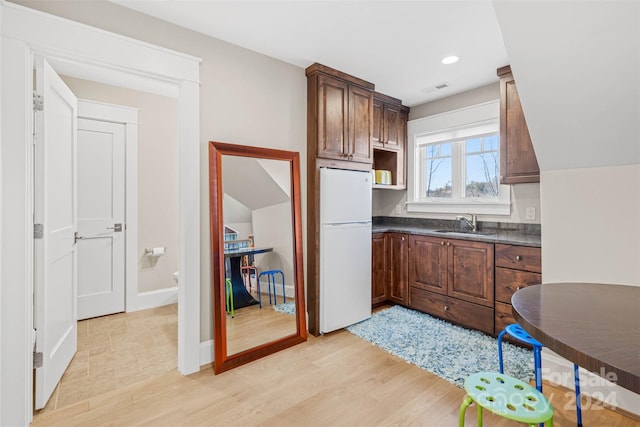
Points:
(437, 87)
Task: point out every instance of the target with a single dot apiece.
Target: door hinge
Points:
(38, 102)
(38, 231)
(37, 359)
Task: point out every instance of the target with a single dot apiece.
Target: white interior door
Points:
(101, 214)
(55, 314)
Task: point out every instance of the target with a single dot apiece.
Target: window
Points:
(456, 163)
(476, 157)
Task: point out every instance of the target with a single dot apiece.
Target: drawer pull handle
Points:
(446, 308)
(518, 258)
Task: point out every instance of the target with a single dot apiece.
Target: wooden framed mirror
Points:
(256, 223)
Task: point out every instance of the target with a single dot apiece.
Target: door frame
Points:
(94, 54)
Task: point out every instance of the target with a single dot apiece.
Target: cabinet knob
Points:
(517, 288)
(448, 244)
(441, 243)
(403, 238)
(446, 308)
(518, 258)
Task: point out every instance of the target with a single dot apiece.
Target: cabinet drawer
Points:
(508, 281)
(451, 309)
(519, 258)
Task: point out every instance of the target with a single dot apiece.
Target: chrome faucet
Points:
(472, 224)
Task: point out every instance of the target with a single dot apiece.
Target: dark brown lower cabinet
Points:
(452, 279)
(379, 269)
(398, 267)
(466, 282)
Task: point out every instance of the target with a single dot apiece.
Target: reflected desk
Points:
(241, 298)
(595, 326)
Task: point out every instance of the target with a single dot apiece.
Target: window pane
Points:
(491, 143)
(438, 170)
(482, 169)
(474, 145)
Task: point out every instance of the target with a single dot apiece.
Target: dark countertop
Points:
(505, 233)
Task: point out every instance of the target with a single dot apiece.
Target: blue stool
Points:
(271, 279)
(515, 331)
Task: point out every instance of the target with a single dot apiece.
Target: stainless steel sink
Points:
(478, 232)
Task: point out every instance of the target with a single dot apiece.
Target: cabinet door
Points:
(402, 148)
(428, 263)
(333, 110)
(398, 258)
(391, 126)
(518, 161)
(376, 118)
(379, 268)
(360, 125)
(470, 268)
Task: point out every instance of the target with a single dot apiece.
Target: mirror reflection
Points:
(258, 251)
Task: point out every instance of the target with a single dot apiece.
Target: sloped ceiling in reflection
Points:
(255, 183)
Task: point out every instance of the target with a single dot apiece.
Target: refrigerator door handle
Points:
(347, 224)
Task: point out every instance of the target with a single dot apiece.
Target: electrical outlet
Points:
(530, 214)
(398, 209)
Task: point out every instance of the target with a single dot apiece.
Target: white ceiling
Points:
(397, 45)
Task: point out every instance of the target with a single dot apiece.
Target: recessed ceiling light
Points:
(450, 60)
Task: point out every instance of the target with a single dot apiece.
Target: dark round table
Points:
(241, 298)
(596, 326)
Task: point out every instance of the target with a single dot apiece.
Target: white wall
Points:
(245, 98)
(593, 234)
(273, 227)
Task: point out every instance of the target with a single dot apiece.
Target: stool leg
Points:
(576, 375)
(284, 295)
(537, 361)
(479, 416)
(500, 363)
(269, 286)
(258, 285)
(463, 407)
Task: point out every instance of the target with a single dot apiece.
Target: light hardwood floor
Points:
(332, 380)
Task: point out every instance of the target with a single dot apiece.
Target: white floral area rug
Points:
(448, 351)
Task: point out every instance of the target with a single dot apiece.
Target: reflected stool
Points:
(516, 332)
(247, 270)
(228, 291)
(507, 397)
(271, 280)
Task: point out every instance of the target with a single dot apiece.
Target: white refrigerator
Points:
(345, 248)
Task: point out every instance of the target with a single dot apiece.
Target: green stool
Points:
(228, 290)
(506, 396)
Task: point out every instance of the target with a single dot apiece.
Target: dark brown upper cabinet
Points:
(340, 115)
(518, 162)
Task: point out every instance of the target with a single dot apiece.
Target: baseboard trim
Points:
(206, 352)
(153, 299)
(559, 371)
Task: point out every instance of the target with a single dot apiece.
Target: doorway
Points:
(105, 57)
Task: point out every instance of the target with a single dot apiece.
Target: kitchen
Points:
(566, 253)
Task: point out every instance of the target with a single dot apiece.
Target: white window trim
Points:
(474, 116)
